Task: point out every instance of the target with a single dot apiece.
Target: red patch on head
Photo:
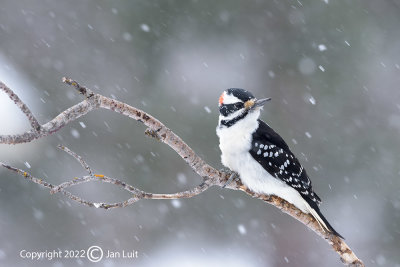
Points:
(221, 98)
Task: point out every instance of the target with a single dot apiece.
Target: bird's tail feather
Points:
(322, 221)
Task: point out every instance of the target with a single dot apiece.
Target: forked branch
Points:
(156, 129)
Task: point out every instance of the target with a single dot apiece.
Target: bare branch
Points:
(21, 105)
(77, 157)
(137, 193)
(67, 116)
(46, 184)
(27, 176)
(81, 89)
(157, 130)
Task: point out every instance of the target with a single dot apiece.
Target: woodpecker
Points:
(261, 157)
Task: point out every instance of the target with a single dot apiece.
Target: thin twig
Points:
(77, 157)
(21, 105)
(156, 129)
(81, 89)
(45, 184)
(137, 193)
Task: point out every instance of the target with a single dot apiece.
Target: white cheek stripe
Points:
(230, 99)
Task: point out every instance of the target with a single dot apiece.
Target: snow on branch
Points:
(156, 129)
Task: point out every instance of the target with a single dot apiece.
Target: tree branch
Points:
(156, 129)
(21, 105)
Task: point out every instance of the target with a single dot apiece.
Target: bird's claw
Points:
(233, 176)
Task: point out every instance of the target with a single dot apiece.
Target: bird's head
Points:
(236, 104)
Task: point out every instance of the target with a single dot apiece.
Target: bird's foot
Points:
(225, 170)
(233, 176)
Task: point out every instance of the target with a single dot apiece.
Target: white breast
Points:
(235, 144)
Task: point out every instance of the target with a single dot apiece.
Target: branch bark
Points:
(157, 130)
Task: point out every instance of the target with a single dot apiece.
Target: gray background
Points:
(332, 69)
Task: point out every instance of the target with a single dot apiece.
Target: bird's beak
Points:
(260, 102)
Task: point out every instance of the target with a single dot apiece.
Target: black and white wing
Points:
(272, 152)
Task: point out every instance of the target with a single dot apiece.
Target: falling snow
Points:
(242, 229)
(127, 36)
(322, 47)
(108, 126)
(176, 203)
(38, 214)
(181, 178)
(271, 74)
(145, 27)
(162, 58)
(75, 133)
(312, 100)
(138, 159)
(306, 66)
